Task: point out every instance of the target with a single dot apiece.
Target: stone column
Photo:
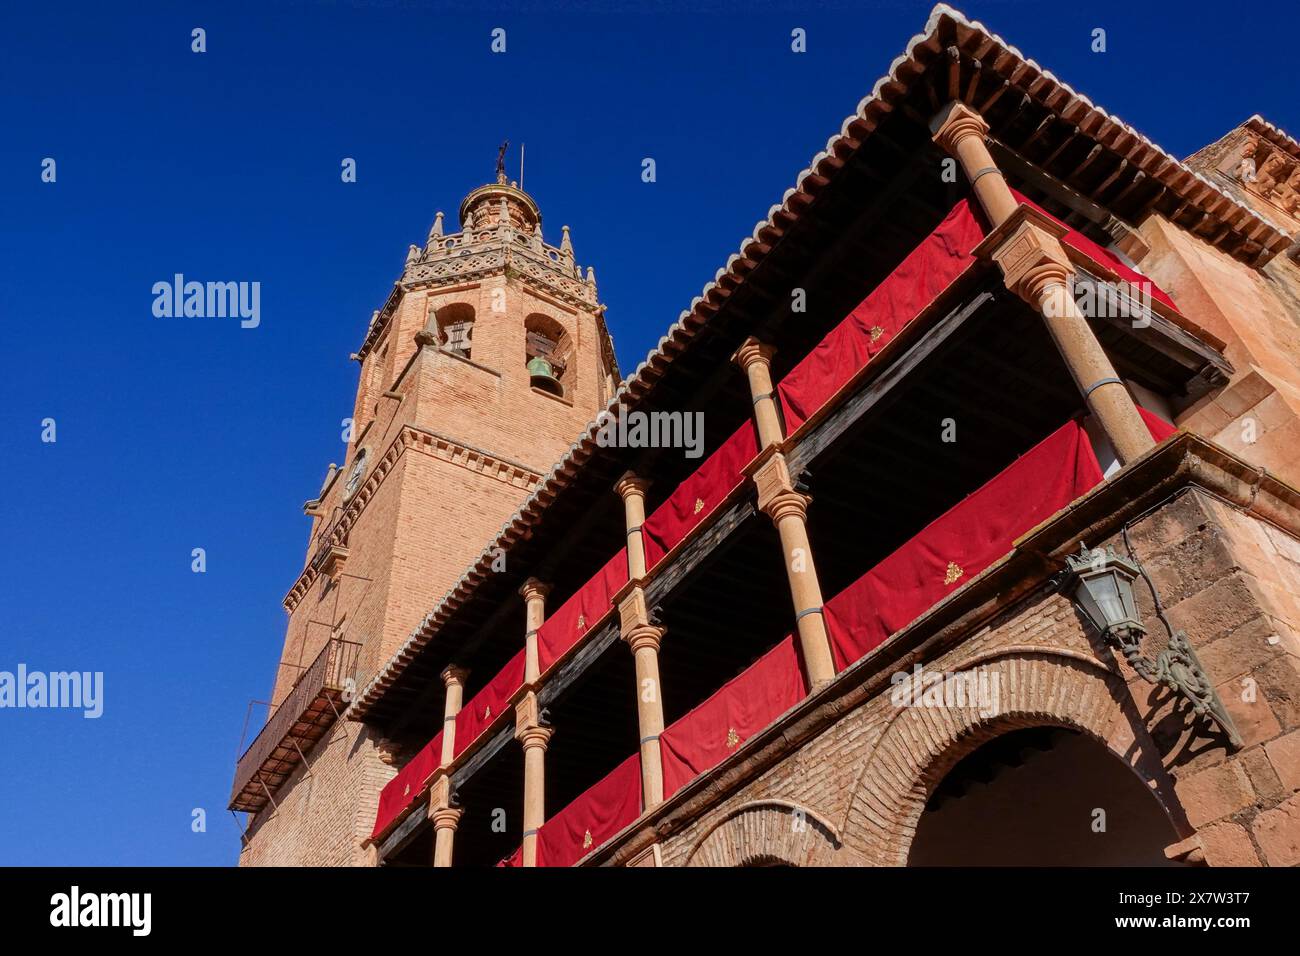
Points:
(1026, 245)
(788, 510)
(534, 738)
(534, 593)
(645, 638)
(756, 359)
(632, 490)
(453, 678)
(445, 819)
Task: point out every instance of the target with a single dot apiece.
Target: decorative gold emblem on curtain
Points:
(733, 738)
(955, 571)
(586, 840)
(699, 505)
(876, 332)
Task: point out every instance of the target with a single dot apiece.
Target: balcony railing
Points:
(312, 705)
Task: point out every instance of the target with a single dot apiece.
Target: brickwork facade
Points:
(444, 447)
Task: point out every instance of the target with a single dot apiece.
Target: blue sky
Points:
(175, 434)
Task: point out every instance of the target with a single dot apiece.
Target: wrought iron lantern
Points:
(1103, 590)
(1101, 586)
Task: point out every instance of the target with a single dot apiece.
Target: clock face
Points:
(355, 475)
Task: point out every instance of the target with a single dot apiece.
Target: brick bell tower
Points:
(488, 358)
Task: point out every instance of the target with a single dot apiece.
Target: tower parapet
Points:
(501, 235)
(501, 230)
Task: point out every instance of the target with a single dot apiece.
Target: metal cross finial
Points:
(501, 161)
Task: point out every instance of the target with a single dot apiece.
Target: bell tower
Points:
(485, 362)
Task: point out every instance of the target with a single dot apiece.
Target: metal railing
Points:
(324, 679)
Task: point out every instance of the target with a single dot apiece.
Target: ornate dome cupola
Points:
(501, 232)
(498, 203)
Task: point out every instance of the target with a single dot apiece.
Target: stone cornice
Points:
(423, 441)
(1273, 134)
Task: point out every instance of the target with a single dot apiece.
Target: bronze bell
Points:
(542, 375)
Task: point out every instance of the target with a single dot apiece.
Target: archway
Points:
(1038, 687)
(766, 833)
(1041, 796)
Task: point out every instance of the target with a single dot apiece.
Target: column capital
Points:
(785, 504)
(751, 351)
(956, 122)
(629, 483)
(528, 723)
(446, 818)
(645, 635)
(777, 497)
(632, 610)
(1027, 248)
(533, 588)
(532, 737)
(452, 674)
(440, 795)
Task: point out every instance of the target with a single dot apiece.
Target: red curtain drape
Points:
(746, 704)
(1159, 428)
(407, 785)
(581, 612)
(488, 703)
(961, 543)
(699, 495)
(592, 818)
(940, 259)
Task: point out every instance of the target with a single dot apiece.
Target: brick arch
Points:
(765, 833)
(1039, 687)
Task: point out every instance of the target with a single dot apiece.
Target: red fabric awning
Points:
(699, 495)
(488, 703)
(746, 704)
(961, 543)
(592, 818)
(404, 788)
(581, 612)
(929, 269)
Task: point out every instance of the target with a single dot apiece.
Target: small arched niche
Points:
(548, 351)
(454, 324)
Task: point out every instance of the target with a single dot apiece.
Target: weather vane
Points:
(501, 162)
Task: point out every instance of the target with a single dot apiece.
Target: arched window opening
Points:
(455, 325)
(547, 351)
